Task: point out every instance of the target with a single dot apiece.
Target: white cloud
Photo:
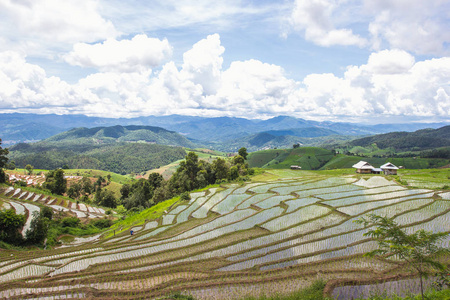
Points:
(203, 63)
(315, 19)
(42, 23)
(24, 85)
(391, 83)
(413, 25)
(136, 55)
(416, 26)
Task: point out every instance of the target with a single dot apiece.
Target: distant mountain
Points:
(274, 139)
(121, 149)
(303, 132)
(118, 133)
(15, 128)
(408, 141)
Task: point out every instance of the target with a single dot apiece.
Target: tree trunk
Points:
(421, 286)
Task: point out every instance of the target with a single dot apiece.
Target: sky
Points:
(366, 61)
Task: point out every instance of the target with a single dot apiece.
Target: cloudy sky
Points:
(366, 61)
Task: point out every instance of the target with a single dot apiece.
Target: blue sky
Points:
(340, 60)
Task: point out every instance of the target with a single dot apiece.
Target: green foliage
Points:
(47, 212)
(102, 223)
(38, 229)
(3, 176)
(55, 182)
(10, 223)
(29, 169)
(418, 249)
(105, 198)
(3, 155)
(185, 196)
(70, 222)
(243, 152)
(178, 296)
(3, 161)
(114, 152)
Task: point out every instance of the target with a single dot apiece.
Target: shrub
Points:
(102, 223)
(70, 222)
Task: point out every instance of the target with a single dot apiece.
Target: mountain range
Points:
(15, 127)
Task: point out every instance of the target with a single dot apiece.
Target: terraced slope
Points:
(15, 196)
(234, 240)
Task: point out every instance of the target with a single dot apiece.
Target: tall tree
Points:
(10, 223)
(243, 152)
(29, 169)
(55, 182)
(418, 249)
(3, 161)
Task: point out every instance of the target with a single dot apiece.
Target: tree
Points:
(74, 191)
(418, 249)
(29, 169)
(3, 161)
(3, 154)
(55, 182)
(10, 223)
(220, 168)
(238, 160)
(243, 152)
(38, 228)
(155, 180)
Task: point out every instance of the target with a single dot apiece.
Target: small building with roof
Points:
(389, 169)
(363, 167)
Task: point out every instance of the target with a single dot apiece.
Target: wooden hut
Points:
(363, 167)
(389, 169)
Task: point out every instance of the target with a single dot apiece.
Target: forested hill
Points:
(120, 149)
(407, 141)
(132, 133)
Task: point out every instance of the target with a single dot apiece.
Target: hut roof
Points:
(363, 165)
(389, 166)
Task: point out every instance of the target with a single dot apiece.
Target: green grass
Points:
(309, 158)
(428, 178)
(152, 213)
(314, 292)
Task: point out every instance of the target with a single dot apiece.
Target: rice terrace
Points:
(278, 233)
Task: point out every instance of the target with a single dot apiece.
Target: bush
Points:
(21, 183)
(2, 176)
(70, 222)
(185, 196)
(102, 223)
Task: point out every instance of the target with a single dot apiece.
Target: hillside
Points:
(231, 241)
(132, 133)
(407, 141)
(117, 149)
(274, 139)
(309, 158)
(312, 158)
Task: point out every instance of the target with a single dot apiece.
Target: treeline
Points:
(120, 158)
(192, 174)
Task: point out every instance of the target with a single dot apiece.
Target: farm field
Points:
(276, 234)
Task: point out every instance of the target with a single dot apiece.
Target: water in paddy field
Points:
(400, 288)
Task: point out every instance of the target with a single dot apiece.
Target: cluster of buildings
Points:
(366, 168)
